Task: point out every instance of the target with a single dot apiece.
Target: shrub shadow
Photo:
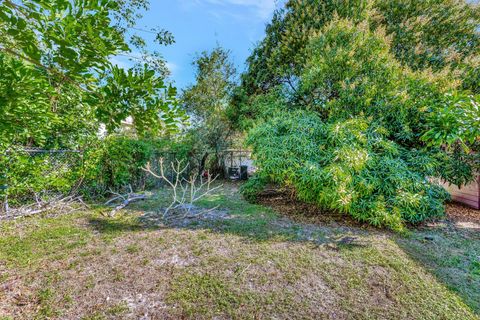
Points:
(451, 254)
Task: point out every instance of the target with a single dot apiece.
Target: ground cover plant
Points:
(245, 261)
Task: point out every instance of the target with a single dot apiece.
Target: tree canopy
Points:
(437, 35)
(207, 100)
(58, 84)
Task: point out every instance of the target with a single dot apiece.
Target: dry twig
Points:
(185, 191)
(59, 204)
(126, 199)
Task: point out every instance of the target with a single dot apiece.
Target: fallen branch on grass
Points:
(126, 199)
(54, 205)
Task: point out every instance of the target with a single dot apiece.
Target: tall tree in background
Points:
(433, 34)
(58, 84)
(206, 102)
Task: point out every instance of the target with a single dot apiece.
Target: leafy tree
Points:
(354, 142)
(436, 34)
(350, 71)
(58, 80)
(454, 126)
(206, 102)
(142, 94)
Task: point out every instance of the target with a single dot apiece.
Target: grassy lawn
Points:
(250, 262)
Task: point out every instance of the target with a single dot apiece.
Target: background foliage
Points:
(206, 101)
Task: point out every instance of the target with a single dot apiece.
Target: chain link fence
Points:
(27, 175)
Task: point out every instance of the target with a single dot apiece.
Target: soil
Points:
(463, 216)
(457, 214)
(284, 202)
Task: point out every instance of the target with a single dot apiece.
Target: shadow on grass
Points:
(236, 217)
(251, 222)
(117, 226)
(451, 255)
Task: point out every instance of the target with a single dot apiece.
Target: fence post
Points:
(4, 185)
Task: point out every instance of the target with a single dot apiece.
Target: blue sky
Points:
(199, 25)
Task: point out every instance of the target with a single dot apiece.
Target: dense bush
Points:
(347, 165)
(111, 163)
(30, 174)
(456, 120)
(117, 161)
(355, 142)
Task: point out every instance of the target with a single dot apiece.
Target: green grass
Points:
(51, 238)
(453, 257)
(253, 264)
(206, 295)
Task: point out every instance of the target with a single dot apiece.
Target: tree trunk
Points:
(203, 162)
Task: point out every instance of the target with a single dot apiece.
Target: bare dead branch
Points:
(126, 199)
(54, 205)
(185, 191)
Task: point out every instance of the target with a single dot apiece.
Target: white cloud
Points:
(121, 62)
(261, 8)
(173, 67)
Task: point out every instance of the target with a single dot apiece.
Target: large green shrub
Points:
(347, 165)
(117, 162)
(356, 146)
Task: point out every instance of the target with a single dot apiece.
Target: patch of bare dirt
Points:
(464, 217)
(282, 201)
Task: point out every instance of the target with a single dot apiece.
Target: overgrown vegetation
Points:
(354, 109)
(117, 161)
(352, 106)
(349, 166)
(59, 90)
